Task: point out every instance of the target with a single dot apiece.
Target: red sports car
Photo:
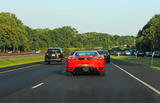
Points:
(86, 61)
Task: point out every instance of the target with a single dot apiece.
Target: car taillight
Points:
(99, 58)
(46, 53)
(59, 53)
(72, 58)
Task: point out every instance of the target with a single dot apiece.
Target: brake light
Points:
(99, 58)
(72, 58)
(46, 53)
(59, 53)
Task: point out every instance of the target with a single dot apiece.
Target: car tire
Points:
(69, 74)
(102, 73)
(49, 62)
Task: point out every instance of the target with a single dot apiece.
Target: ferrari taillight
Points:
(72, 58)
(99, 58)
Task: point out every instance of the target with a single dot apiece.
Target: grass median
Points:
(6, 62)
(140, 60)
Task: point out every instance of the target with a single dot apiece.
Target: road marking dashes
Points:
(38, 85)
(144, 83)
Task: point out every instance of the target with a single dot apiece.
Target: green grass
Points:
(18, 61)
(140, 60)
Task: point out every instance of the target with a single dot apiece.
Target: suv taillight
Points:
(99, 58)
(59, 53)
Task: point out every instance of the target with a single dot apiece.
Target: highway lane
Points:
(49, 84)
(11, 82)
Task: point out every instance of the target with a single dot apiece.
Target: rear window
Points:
(157, 52)
(100, 52)
(106, 52)
(140, 51)
(86, 54)
(103, 52)
(53, 50)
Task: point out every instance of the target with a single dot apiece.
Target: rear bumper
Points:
(81, 69)
(90, 68)
(58, 60)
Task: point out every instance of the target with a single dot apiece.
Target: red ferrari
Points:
(86, 61)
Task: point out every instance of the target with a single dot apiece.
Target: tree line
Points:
(148, 39)
(17, 37)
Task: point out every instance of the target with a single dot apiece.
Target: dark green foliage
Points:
(16, 37)
(148, 39)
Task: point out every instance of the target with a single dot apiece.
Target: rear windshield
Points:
(103, 52)
(157, 52)
(53, 51)
(86, 54)
(106, 52)
(140, 51)
(100, 52)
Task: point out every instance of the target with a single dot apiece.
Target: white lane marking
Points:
(36, 86)
(144, 83)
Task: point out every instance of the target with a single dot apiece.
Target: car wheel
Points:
(102, 73)
(69, 74)
(49, 62)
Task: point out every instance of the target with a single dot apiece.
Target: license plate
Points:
(53, 54)
(86, 69)
(85, 65)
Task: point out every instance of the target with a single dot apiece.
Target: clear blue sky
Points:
(123, 17)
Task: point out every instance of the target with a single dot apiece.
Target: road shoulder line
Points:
(142, 82)
(19, 68)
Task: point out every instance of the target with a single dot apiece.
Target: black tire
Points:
(49, 62)
(102, 73)
(69, 74)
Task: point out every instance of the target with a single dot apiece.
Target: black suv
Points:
(54, 54)
(106, 54)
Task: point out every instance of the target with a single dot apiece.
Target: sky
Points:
(121, 17)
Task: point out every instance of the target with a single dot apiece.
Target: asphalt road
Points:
(48, 84)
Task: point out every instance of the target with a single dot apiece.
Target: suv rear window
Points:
(100, 52)
(106, 52)
(53, 50)
(103, 52)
